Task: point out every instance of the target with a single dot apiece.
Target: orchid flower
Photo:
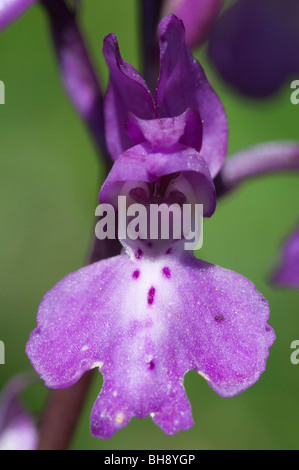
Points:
(18, 430)
(148, 316)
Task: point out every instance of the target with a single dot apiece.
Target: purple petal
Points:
(253, 44)
(127, 92)
(197, 16)
(183, 85)
(10, 10)
(81, 326)
(142, 164)
(17, 427)
(288, 273)
(63, 345)
(77, 73)
(225, 318)
(145, 331)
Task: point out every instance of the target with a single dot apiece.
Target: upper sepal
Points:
(183, 84)
(127, 92)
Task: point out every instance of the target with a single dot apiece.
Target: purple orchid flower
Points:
(18, 430)
(148, 316)
(288, 273)
(252, 45)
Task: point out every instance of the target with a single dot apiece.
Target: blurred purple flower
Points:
(263, 159)
(148, 316)
(197, 16)
(18, 430)
(253, 45)
(10, 10)
(288, 273)
(76, 70)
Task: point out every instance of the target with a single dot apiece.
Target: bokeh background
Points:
(49, 181)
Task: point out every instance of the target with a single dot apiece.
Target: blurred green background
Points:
(49, 180)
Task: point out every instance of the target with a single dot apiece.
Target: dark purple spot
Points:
(151, 365)
(150, 245)
(169, 251)
(136, 274)
(138, 254)
(151, 296)
(219, 318)
(166, 272)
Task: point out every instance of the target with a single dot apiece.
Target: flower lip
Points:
(202, 317)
